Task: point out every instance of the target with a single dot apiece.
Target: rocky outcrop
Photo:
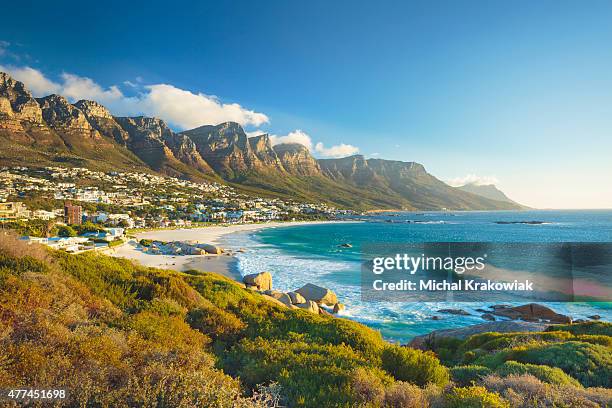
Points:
(421, 342)
(309, 306)
(101, 119)
(297, 160)
(185, 150)
(225, 147)
(262, 281)
(296, 298)
(17, 102)
(318, 294)
(280, 296)
(267, 158)
(454, 311)
(531, 312)
(59, 114)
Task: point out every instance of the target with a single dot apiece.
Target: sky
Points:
(518, 94)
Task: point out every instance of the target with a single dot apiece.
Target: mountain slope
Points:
(405, 180)
(488, 191)
(52, 131)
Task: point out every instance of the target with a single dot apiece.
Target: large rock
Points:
(454, 311)
(338, 307)
(273, 300)
(280, 296)
(296, 298)
(318, 294)
(262, 280)
(532, 312)
(309, 306)
(462, 333)
(210, 249)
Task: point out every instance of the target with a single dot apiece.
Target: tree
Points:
(66, 231)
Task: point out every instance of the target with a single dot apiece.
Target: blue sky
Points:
(515, 92)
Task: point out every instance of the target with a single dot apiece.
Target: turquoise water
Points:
(301, 254)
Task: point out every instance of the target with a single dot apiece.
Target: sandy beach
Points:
(224, 264)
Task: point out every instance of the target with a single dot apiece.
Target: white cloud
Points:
(189, 110)
(472, 179)
(36, 82)
(303, 138)
(341, 150)
(181, 108)
(297, 136)
(75, 87)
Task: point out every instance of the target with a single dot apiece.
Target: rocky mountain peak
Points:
(16, 101)
(93, 109)
(296, 159)
(59, 113)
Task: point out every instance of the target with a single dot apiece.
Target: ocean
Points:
(312, 254)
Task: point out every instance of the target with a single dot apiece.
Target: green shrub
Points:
(598, 327)
(591, 364)
(469, 374)
(66, 231)
(596, 339)
(474, 397)
(415, 366)
(405, 395)
(551, 375)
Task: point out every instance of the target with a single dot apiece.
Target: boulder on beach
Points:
(296, 298)
(318, 294)
(532, 312)
(488, 316)
(338, 307)
(280, 296)
(262, 281)
(454, 311)
(210, 249)
(309, 306)
(273, 300)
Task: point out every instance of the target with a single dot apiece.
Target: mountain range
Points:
(52, 131)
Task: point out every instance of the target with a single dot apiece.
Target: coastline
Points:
(225, 264)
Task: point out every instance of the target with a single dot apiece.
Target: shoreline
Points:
(225, 264)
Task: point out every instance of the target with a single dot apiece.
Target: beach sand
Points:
(224, 264)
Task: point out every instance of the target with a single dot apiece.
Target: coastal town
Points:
(77, 209)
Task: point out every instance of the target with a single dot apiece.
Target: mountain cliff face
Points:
(226, 148)
(266, 155)
(101, 119)
(51, 130)
(297, 160)
(155, 144)
(21, 118)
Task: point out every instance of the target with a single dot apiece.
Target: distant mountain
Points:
(488, 191)
(52, 131)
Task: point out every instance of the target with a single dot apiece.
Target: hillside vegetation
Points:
(118, 334)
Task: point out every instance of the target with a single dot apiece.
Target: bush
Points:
(552, 375)
(602, 328)
(474, 397)
(415, 366)
(526, 391)
(367, 388)
(405, 395)
(66, 231)
(469, 374)
(591, 364)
